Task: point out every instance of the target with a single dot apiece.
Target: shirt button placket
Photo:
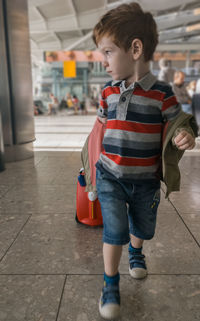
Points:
(123, 99)
(122, 108)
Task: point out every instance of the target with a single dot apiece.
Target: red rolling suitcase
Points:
(87, 212)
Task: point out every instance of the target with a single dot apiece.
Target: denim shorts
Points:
(127, 208)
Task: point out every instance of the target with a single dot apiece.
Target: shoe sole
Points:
(138, 273)
(110, 311)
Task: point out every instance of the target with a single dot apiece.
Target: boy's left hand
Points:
(184, 140)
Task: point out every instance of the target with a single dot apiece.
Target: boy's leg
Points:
(109, 305)
(136, 242)
(111, 256)
(115, 234)
(142, 220)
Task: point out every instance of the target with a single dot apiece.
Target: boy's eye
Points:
(107, 52)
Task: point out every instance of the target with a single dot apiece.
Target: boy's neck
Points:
(140, 70)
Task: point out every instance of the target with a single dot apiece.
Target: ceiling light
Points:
(193, 27)
(196, 11)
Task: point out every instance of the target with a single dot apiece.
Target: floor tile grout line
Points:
(15, 239)
(61, 297)
(198, 244)
(93, 274)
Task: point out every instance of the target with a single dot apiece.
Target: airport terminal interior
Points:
(51, 266)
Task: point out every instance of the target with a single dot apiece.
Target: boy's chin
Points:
(115, 77)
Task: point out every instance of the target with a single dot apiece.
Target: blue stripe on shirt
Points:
(144, 118)
(129, 152)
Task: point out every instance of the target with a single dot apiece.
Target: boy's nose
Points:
(104, 63)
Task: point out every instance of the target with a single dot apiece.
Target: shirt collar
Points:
(145, 83)
(116, 82)
(124, 88)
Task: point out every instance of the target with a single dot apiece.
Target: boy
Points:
(135, 106)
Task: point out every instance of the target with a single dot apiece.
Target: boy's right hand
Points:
(102, 120)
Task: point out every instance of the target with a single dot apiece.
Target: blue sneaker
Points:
(137, 265)
(109, 304)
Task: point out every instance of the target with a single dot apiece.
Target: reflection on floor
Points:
(51, 268)
(63, 132)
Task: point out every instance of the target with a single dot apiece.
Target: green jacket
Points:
(171, 155)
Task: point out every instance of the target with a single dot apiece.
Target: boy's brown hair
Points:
(126, 23)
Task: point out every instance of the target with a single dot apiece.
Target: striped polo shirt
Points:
(135, 118)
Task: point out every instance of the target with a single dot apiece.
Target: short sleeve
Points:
(103, 107)
(170, 108)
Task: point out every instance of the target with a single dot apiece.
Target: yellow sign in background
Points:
(69, 69)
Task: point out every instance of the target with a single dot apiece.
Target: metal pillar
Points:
(85, 81)
(2, 156)
(16, 104)
(187, 62)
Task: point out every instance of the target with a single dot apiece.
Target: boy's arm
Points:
(102, 120)
(183, 139)
(102, 111)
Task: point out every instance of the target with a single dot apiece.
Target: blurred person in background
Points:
(37, 109)
(53, 105)
(198, 86)
(83, 105)
(166, 71)
(69, 100)
(180, 91)
(75, 101)
(196, 103)
(191, 88)
(63, 104)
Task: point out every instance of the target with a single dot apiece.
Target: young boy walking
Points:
(135, 106)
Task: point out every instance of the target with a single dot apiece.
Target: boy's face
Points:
(118, 63)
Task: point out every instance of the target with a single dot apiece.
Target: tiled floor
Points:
(51, 268)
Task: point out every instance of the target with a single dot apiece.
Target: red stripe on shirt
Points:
(127, 161)
(154, 94)
(134, 127)
(103, 104)
(110, 90)
(169, 103)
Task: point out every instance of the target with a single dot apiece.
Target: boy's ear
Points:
(136, 48)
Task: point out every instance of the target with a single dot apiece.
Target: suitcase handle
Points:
(91, 210)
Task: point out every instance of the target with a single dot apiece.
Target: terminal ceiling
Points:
(67, 24)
